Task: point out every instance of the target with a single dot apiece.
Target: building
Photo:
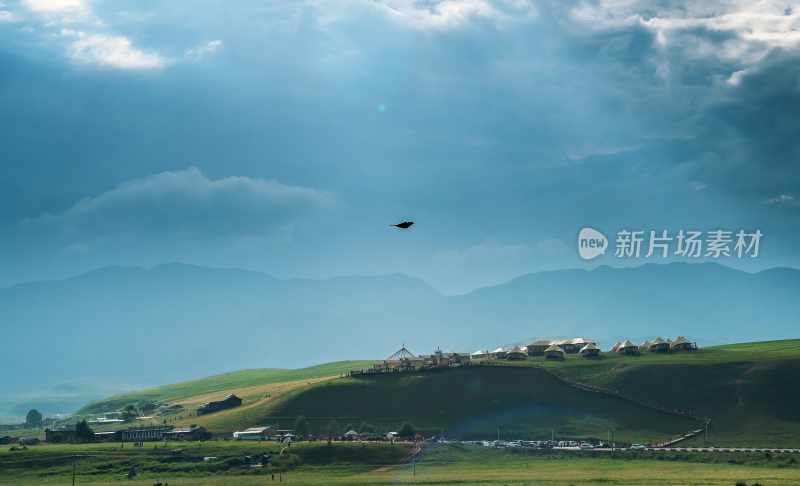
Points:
(554, 352)
(145, 434)
(401, 360)
(537, 348)
(626, 347)
(517, 353)
(500, 353)
(590, 350)
(659, 346)
(572, 346)
(113, 436)
(479, 355)
(193, 432)
(60, 436)
(683, 344)
(255, 433)
(351, 435)
(231, 401)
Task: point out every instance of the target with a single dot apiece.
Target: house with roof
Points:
(255, 433)
(517, 353)
(659, 345)
(626, 347)
(554, 352)
(230, 401)
(682, 344)
(590, 350)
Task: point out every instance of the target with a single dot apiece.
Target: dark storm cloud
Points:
(532, 118)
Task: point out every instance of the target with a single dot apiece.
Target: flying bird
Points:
(403, 225)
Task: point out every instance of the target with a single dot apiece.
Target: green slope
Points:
(751, 391)
(221, 383)
(525, 402)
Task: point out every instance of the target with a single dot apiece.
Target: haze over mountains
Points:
(122, 325)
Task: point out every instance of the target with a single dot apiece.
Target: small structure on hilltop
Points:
(517, 353)
(400, 360)
(572, 346)
(479, 355)
(626, 347)
(683, 344)
(554, 352)
(500, 353)
(659, 346)
(590, 351)
(537, 348)
(231, 401)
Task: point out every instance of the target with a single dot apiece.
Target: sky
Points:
(286, 136)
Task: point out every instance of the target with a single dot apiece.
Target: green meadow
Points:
(224, 463)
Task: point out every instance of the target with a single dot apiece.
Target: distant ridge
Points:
(174, 322)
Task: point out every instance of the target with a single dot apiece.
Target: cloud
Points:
(739, 32)
(6, 16)
(450, 14)
(783, 200)
(198, 53)
(61, 11)
(56, 6)
(185, 203)
(113, 51)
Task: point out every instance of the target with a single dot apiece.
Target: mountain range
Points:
(126, 325)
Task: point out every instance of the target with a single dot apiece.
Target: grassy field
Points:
(220, 384)
(472, 403)
(379, 464)
(750, 391)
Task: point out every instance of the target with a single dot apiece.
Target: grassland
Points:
(379, 464)
(750, 391)
(220, 384)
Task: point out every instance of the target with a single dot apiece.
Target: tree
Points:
(83, 432)
(333, 430)
(33, 419)
(407, 430)
(301, 426)
(367, 428)
(129, 413)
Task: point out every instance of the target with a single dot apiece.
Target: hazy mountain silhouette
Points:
(172, 322)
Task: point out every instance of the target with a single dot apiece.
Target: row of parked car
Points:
(542, 444)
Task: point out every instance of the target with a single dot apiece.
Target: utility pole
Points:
(74, 460)
(498, 433)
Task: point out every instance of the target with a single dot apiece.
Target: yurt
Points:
(659, 346)
(554, 352)
(627, 347)
(590, 351)
(517, 353)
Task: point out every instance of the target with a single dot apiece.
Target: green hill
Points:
(471, 403)
(750, 391)
(220, 384)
